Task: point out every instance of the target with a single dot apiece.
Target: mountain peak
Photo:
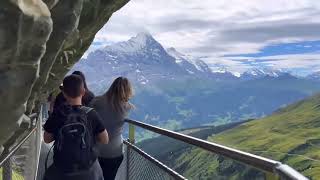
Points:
(134, 44)
(144, 35)
(142, 38)
(171, 49)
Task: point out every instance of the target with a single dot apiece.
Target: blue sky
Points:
(238, 34)
(284, 48)
(299, 58)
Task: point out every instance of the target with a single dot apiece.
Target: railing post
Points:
(38, 141)
(131, 140)
(7, 170)
(131, 133)
(271, 176)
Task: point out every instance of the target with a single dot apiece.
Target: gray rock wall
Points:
(39, 42)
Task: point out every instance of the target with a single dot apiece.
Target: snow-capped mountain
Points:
(145, 62)
(191, 64)
(141, 58)
(168, 83)
(314, 76)
(256, 73)
(218, 68)
(198, 67)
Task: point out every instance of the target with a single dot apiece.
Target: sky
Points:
(238, 34)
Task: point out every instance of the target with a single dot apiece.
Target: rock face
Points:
(39, 42)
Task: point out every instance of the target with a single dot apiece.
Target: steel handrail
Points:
(7, 155)
(255, 161)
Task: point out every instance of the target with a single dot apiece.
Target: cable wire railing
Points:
(273, 169)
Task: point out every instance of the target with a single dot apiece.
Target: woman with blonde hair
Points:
(113, 107)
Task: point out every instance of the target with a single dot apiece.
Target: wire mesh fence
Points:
(196, 163)
(138, 166)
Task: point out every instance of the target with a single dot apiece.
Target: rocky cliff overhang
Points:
(39, 42)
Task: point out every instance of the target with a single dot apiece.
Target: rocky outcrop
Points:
(39, 42)
(24, 31)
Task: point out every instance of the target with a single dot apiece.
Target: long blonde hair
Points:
(119, 94)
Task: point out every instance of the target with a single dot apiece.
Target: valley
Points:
(177, 91)
(290, 135)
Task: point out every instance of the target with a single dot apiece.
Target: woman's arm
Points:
(103, 137)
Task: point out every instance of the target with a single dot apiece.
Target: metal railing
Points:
(274, 169)
(20, 157)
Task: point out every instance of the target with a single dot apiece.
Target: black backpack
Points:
(74, 143)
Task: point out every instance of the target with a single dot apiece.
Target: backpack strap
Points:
(47, 158)
(86, 109)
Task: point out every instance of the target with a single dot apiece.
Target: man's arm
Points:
(98, 128)
(48, 137)
(50, 127)
(103, 137)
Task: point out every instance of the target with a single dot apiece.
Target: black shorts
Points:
(94, 173)
(110, 166)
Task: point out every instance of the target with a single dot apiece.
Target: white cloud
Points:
(216, 28)
(309, 61)
(231, 65)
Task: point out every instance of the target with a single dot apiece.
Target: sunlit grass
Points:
(15, 175)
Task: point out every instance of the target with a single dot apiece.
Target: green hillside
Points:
(171, 148)
(290, 135)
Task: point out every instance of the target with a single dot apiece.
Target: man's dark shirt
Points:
(61, 100)
(56, 121)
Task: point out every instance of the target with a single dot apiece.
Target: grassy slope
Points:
(292, 130)
(15, 175)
